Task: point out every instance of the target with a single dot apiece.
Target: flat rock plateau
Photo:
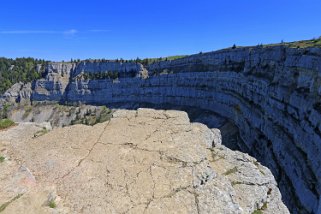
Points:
(139, 161)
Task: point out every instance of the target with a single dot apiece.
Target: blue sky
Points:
(62, 29)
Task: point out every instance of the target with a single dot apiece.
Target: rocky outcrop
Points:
(272, 94)
(59, 115)
(18, 93)
(53, 86)
(124, 69)
(143, 161)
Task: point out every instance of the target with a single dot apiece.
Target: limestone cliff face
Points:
(273, 94)
(60, 75)
(53, 86)
(18, 93)
(125, 69)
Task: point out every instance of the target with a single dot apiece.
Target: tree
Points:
(19, 70)
(138, 60)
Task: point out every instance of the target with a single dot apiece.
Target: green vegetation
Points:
(4, 206)
(40, 132)
(19, 70)
(99, 75)
(257, 212)
(264, 206)
(6, 123)
(2, 159)
(315, 42)
(105, 115)
(148, 61)
(4, 111)
(52, 204)
(93, 117)
(145, 61)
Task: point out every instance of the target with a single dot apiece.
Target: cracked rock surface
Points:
(144, 161)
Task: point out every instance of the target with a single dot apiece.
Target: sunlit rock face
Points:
(273, 94)
(140, 161)
(52, 87)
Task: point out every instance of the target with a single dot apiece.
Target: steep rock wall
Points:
(52, 87)
(273, 94)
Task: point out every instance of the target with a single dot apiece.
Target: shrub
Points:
(41, 132)
(4, 111)
(6, 123)
(52, 204)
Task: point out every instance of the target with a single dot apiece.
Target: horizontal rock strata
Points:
(273, 94)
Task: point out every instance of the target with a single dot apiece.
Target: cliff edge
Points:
(143, 161)
(271, 93)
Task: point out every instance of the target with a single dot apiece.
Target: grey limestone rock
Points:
(272, 94)
(18, 93)
(141, 161)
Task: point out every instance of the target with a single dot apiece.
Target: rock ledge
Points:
(143, 161)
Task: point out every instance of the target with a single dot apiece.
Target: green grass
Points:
(52, 204)
(264, 206)
(148, 61)
(2, 159)
(6, 123)
(305, 43)
(315, 42)
(257, 212)
(175, 57)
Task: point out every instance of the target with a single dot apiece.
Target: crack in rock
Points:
(89, 152)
